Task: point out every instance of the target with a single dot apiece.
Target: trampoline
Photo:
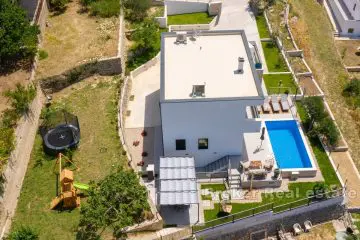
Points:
(60, 131)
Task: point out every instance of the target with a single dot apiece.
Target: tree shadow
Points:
(2, 184)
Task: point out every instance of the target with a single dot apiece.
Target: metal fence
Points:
(266, 208)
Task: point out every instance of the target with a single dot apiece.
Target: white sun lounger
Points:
(297, 229)
(284, 103)
(275, 103)
(307, 225)
(266, 105)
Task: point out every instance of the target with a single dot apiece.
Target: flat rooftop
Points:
(209, 59)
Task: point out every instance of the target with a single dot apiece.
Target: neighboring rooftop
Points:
(208, 62)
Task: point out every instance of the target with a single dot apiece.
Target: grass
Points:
(73, 37)
(320, 52)
(94, 102)
(190, 18)
(273, 58)
(297, 64)
(348, 52)
(262, 27)
(214, 187)
(272, 83)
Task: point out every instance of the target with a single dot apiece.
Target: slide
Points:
(56, 201)
(81, 186)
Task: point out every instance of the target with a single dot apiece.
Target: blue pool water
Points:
(287, 144)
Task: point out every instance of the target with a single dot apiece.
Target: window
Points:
(350, 30)
(180, 144)
(203, 143)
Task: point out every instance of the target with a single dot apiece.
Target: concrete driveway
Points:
(236, 14)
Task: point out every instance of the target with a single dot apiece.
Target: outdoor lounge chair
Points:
(275, 103)
(297, 229)
(266, 105)
(307, 225)
(284, 103)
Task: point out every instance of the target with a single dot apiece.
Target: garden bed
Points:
(94, 101)
(308, 86)
(276, 16)
(73, 37)
(262, 27)
(274, 60)
(348, 50)
(190, 18)
(297, 64)
(287, 83)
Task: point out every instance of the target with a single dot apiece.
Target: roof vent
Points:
(241, 62)
(198, 91)
(181, 37)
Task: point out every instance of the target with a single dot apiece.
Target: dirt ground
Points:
(73, 37)
(309, 85)
(320, 232)
(8, 82)
(348, 51)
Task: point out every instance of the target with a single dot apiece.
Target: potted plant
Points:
(144, 154)
(144, 133)
(276, 173)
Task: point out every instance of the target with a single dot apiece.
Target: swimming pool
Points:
(288, 145)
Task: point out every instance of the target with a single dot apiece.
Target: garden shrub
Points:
(58, 5)
(21, 98)
(319, 121)
(352, 92)
(43, 54)
(23, 233)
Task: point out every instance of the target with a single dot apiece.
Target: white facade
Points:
(346, 13)
(216, 117)
(223, 123)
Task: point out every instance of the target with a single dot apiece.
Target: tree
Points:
(23, 233)
(136, 10)
(18, 39)
(58, 5)
(315, 108)
(146, 36)
(21, 98)
(115, 202)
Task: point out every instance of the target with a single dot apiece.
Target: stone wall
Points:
(104, 66)
(269, 221)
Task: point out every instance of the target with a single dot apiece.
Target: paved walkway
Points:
(145, 109)
(236, 14)
(350, 175)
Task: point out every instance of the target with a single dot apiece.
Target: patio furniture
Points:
(258, 109)
(266, 105)
(269, 164)
(307, 225)
(297, 229)
(275, 103)
(255, 164)
(284, 103)
(245, 165)
(258, 172)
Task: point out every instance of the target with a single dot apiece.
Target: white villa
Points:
(207, 82)
(346, 14)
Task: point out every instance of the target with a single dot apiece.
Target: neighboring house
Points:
(346, 14)
(208, 80)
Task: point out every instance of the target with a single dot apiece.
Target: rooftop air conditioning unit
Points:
(241, 62)
(181, 37)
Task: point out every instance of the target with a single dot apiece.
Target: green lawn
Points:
(274, 60)
(99, 152)
(296, 192)
(287, 83)
(262, 27)
(214, 187)
(190, 18)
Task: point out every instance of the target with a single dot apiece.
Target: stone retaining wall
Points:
(104, 66)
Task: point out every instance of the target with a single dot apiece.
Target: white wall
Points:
(222, 122)
(354, 12)
(180, 7)
(342, 22)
